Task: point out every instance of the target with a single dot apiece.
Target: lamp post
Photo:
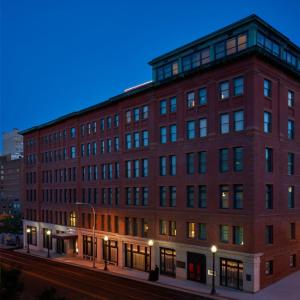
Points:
(105, 249)
(150, 244)
(213, 250)
(48, 232)
(28, 230)
(94, 214)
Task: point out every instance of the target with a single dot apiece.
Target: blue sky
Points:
(59, 56)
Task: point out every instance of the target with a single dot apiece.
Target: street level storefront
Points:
(168, 261)
(137, 257)
(196, 267)
(87, 247)
(231, 273)
(66, 243)
(110, 251)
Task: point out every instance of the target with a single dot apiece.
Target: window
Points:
(289, 58)
(224, 233)
(267, 122)
(72, 132)
(202, 162)
(291, 129)
(128, 141)
(202, 96)
(128, 116)
(167, 70)
(238, 196)
(101, 124)
(128, 168)
(102, 146)
(172, 228)
(291, 98)
(136, 140)
(203, 127)
(293, 261)
(291, 158)
(117, 144)
(128, 196)
(292, 231)
(238, 86)
(238, 158)
(173, 105)
(269, 234)
(136, 168)
(191, 232)
(172, 194)
(173, 133)
(224, 196)
(72, 151)
(136, 114)
(268, 44)
(163, 135)
(269, 159)
(224, 90)
(291, 197)
(108, 122)
(190, 163)
(202, 232)
(145, 167)
(202, 196)
(224, 123)
(163, 107)
(172, 163)
(109, 145)
(116, 120)
(145, 138)
(238, 235)
(191, 130)
(190, 194)
(136, 195)
(163, 196)
(190, 99)
(223, 160)
(195, 59)
(238, 120)
(220, 50)
(163, 166)
(269, 267)
(163, 227)
(145, 196)
(269, 196)
(267, 88)
(145, 112)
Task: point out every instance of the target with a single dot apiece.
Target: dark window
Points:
(238, 159)
(269, 234)
(224, 233)
(202, 96)
(291, 197)
(291, 162)
(224, 90)
(267, 122)
(291, 98)
(291, 129)
(269, 159)
(223, 160)
(224, 196)
(238, 86)
(190, 195)
(269, 196)
(190, 163)
(202, 196)
(292, 231)
(202, 162)
(238, 235)
(163, 196)
(267, 88)
(269, 267)
(163, 107)
(238, 196)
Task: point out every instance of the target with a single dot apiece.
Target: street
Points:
(78, 284)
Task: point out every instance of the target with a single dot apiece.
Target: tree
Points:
(49, 294)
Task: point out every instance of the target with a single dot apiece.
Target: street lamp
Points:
(150, 244)
(48, 232)
(28, 230)
(213, 250)
(106, 250)
(94, 224)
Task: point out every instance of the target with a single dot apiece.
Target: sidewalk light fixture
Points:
(48, 232)
(106, 250)
(150, 244)
(213, 250)
(28, 230)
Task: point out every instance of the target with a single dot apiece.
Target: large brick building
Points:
(206, 153)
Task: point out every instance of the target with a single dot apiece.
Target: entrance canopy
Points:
(65, 236)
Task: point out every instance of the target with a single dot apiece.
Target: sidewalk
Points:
(288, 286)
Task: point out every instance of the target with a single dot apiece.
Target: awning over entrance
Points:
(64, 236)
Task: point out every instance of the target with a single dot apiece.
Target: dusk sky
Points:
(60, 56)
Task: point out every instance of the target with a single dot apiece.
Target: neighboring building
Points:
(13, 144)
(10, 185)
(208, 153)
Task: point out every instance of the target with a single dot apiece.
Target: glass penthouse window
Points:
(167, 71)
(195, 59)
(268, 44)
(290, 58)
(231, 45)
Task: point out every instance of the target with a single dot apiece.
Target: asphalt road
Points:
(76, 283)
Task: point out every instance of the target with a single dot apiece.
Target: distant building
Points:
(13, 144)
(10, 185)
(208, 153)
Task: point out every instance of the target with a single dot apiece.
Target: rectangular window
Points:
(108, 122)
(223, 160)
(163, 227)
(128, 141)
(269, 234)
(269, 267)
(267, 122)
(128, 196)
(292, 231)
(202, 232)
(220, 50)
(224, 196)
(101, 124)
(191, 230)
(238, 159)
(136, 196)
(136, 169)
(116, 120)
(163, 135)
(224, 123)
(238, 117)
(191, 131)
(145, 112)
(172, 165)
(173, 105)
(203, 127)
(267, 88)
(202, 196)
(202, 162)
(238, 235)
(291, 99)
(136, 114)
(238, 196)
(238, 86)
(190, 163)
(291, 197)
(145, 138)
(269, 159)
(224, 90)
(163, 107)
(224, 233)
(128, 116)
(145, 167)
(128, 169)
(269, 196)
(163, 196)
(190, 99)
(162, 166)
(172, 195)
(291, 163)
(202, 96)
(173, 133)
(116, 143)
(190, 194)
(172, 228)
(291, 129)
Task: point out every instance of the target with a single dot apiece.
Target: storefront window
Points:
(137, 257)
